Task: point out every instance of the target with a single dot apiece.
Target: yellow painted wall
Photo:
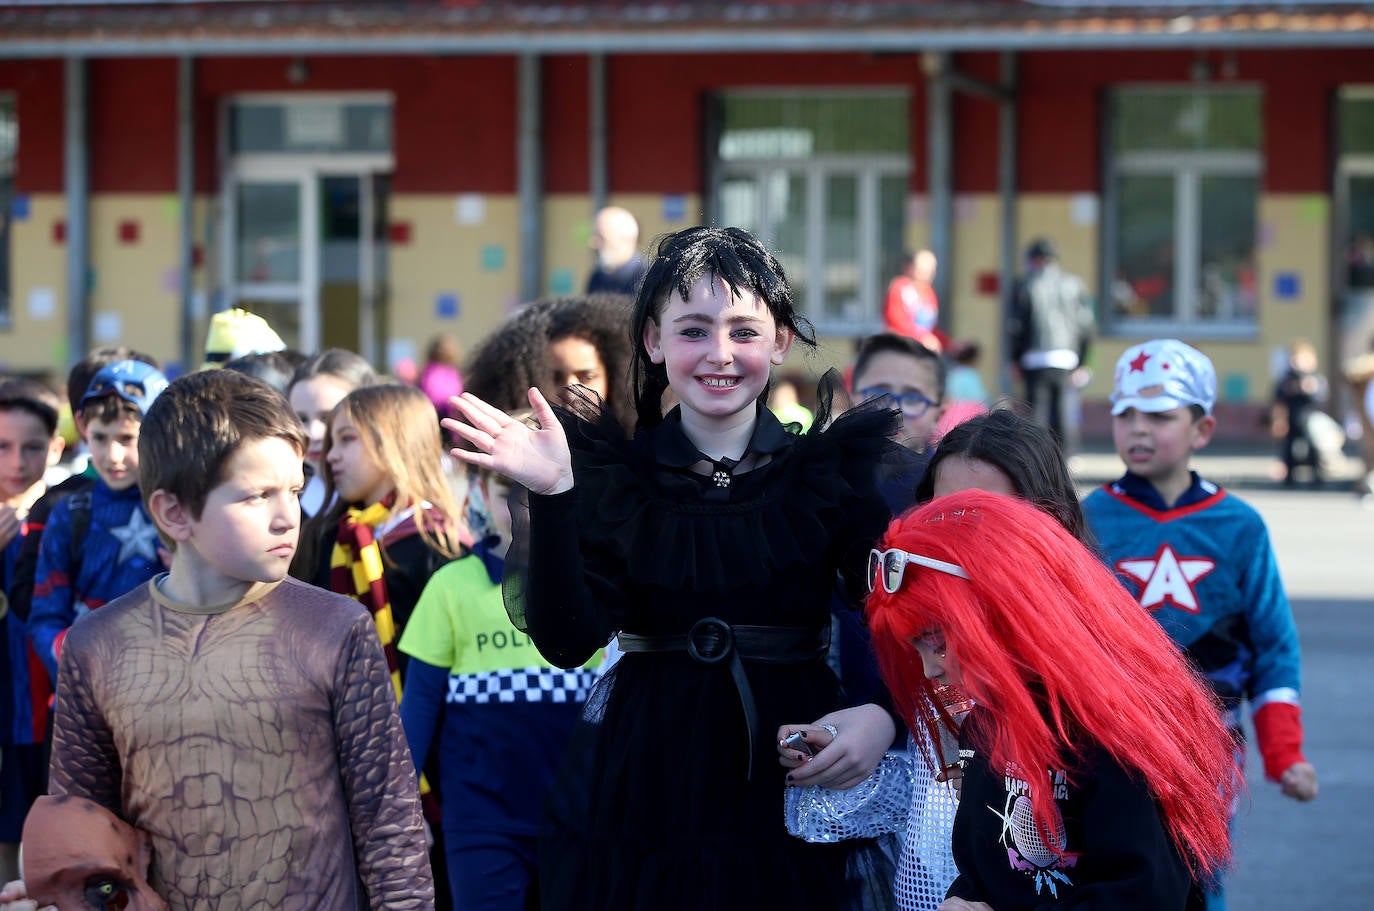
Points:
(134, 298)
(478, 261)
(38, 267)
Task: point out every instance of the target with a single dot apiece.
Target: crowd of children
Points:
(276, 612)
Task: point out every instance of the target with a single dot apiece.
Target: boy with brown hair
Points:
(274, 772)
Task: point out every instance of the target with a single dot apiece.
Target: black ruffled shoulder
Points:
(816, 496)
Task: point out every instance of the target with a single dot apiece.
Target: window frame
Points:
(1187, 168)
(868, 168)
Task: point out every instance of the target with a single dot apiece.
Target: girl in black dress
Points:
(709, 543)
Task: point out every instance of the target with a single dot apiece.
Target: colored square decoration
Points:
(19, 207)
(988, 283)
(674, 208)
(493, 258)
(446, 305)
(561, 282)
(128, 231)
(1287, 286)
(398, 232)
(59, 231)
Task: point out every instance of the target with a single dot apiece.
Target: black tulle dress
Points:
(662, 804)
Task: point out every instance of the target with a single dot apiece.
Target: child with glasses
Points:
(1002, 452)
(1081, 786)
(909, 376)
(710, 542)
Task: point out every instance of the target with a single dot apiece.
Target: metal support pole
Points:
(186, 198)
(939, 171)
(77, 182)
(1007, 152)
(531, 179)
(596, 115)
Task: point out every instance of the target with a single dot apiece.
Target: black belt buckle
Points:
(710, 640)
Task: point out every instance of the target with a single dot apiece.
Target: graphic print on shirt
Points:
(1167, 578)
(137, 538)
(1027, 850)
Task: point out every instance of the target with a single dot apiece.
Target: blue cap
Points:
(132, 381)
(1163, 374)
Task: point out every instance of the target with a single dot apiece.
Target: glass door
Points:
(273, 238)
(306, 244)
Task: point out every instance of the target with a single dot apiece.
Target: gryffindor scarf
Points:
(356, 570)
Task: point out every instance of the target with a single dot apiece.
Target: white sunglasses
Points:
(893, 563)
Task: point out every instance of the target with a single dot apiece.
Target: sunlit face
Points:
(114, 450)
(77, 855)
(248, 529)
(576, 362)
(1157, 445)
(899, 374)
(961, 472)
(357, 476)
(718, 349)
(26, 451)
(313, 399)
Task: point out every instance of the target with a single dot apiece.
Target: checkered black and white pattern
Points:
(531, 684)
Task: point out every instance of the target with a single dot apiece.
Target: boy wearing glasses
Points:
(911, 375)
(119, 548)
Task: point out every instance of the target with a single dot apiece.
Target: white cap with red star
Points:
(1163, 374)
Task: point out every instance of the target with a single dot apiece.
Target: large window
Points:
(9, 141)
(822, 179)
(1182, 195)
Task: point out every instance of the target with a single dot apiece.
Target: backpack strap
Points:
(79, 510)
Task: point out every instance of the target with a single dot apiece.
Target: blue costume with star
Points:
(118, 553)
(1206, 570)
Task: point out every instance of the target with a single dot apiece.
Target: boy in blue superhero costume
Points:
(1198, 558)
(120, 547)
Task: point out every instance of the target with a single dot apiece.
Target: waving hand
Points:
(536, 458)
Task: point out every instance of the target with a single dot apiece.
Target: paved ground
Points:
(1309, 856)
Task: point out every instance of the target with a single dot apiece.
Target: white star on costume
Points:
(1168, 578)
(137, 538)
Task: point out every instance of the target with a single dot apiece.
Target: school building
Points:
(369, 174)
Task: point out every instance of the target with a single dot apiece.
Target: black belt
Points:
(712, 640)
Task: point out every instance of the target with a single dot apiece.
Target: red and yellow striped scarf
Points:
(356, 570)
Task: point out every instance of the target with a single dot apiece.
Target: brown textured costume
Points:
(258, 743)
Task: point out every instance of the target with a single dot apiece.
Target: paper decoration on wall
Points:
(1312, 209)
(171, 280)
(42, 303)
(1266, 235)
(129, 231)
(171, 207)
(582, 232)
(470, 209)
(674, 207)
(398, 232)
(561, 282)
(1287, 286)
(493, 258)
(19, 207)
(1235, 387)
(59, 231)
(1083, 209)
(447, 305)
(965, 208)
(988, 283)
(400, 349)
(107, 327)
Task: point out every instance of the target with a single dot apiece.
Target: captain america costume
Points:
(118, 554)
(1206, 571)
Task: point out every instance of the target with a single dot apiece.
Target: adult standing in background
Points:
(912, 308)
(615, 240)
(1050, 328)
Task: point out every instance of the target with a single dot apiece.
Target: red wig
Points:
(1060, 656)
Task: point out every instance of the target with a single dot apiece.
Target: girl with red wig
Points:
(1096, 772)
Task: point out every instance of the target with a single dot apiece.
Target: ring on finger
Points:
(830, 729)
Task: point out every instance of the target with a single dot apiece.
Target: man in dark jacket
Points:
(1050, 328)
